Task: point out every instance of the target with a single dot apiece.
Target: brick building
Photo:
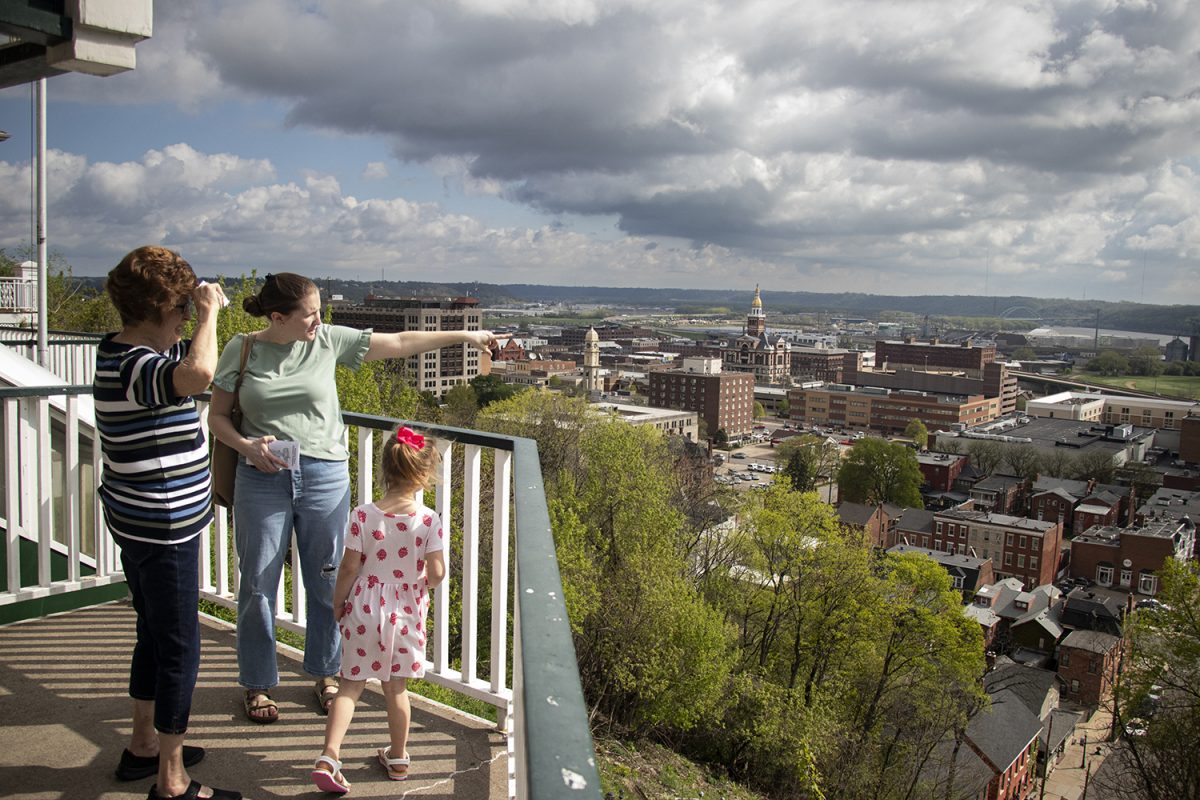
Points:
(573, 337)
(824, 364)
(933, 355)
(941, 470)
(724, 400)
(768, 358)
(878, 409)
(1025, 549)
(999, 494)
(1131, 558)
(436, 371)
(994, 381)
(1087, 665)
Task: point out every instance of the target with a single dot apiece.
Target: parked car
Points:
(1135, 727)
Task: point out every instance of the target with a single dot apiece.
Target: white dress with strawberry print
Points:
(383, 628)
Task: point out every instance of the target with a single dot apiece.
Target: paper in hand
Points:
(286, 451)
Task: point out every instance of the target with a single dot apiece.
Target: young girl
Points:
(393, 558)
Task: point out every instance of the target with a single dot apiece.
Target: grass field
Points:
(1172, 386)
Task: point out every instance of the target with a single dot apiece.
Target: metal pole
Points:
(41, 222)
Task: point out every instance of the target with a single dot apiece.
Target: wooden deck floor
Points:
(64, 719)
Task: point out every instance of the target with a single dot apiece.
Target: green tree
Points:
(917, 431)
(878, 471)
(785, 408)
(1024, 354)
(985, 455)
(9, 268)
(759, 411)
(1024, 460)
(1095, 465)
(460, 406)
(1146, 361)
(1110, 362)
(1057, 462)
(807, 459)
(491, 388)
(1161, 660)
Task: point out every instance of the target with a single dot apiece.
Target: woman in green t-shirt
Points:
(288, 395)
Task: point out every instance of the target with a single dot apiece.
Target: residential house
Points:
(1000, 494)
(873, 521)
(1087, 664)
(913, 526)
(1024, 548)
(940, 470)
(1056, 499)
(1004, 736)
(1038, 689)
(1000, 606)
(1131, 558)
(1100, 508)
(1085, 610)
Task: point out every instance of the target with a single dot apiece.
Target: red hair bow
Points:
(411, 438)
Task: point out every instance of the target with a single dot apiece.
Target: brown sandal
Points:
(256, 702)
(326, 690)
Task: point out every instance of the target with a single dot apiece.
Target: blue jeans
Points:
(316, 502)
(164, 580)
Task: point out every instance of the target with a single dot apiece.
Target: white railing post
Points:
(71, 517)
(12, 494)
(366, 464)
(45, 490)
(500, 523)
(299, 592)
(441, 595)
(106, 557)
(470, 566)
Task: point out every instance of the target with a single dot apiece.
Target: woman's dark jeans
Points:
(165, 582)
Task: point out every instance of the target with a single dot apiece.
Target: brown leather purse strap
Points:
(247, 344)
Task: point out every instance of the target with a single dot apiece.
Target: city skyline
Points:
(943, 148)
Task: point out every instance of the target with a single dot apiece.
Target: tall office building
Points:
(437, 371)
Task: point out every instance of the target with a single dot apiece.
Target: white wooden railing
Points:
(51, 466)
(70, 356)
(17, 295)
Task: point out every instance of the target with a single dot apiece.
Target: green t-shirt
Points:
(289, 390)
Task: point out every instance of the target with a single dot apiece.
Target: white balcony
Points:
(496, 639)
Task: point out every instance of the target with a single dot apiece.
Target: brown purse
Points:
(225, 458)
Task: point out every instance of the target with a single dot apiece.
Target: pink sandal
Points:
(331, 780)
(397, 768)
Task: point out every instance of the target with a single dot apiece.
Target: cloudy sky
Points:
(1049, 148)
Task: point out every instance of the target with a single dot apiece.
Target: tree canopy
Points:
(878, 471)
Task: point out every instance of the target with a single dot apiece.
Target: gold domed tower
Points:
(756, 320)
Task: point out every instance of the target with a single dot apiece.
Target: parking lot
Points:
(754, 465)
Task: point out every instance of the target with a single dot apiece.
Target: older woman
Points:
(155, 489)
(288, 394)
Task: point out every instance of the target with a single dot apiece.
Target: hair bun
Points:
(252, 306)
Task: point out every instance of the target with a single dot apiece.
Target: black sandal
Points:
(193, 793)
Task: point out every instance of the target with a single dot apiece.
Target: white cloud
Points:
(375, 170)
(906, 147)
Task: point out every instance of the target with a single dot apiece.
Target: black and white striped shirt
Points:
(155, 486)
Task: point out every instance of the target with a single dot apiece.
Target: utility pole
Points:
(43, 267)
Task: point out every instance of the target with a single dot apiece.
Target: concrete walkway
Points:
(1067, 780)
(65, 718)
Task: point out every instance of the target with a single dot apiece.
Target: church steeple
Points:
(756, 320)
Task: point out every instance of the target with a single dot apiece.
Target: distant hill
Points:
(1144, 317)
